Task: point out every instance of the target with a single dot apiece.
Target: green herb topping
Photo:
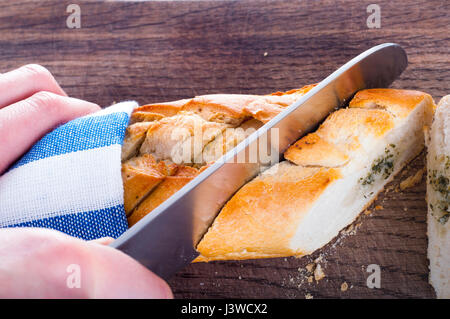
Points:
(382, 166)
(440, 184)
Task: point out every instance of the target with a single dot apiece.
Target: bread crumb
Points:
(265, 53)
(310, 279)
(412, 180)
(318, 259)
(310, 267)
(368, 212)
(379, 207)
(349, 230)
(344, 286)
(308, 296)
(318, 273)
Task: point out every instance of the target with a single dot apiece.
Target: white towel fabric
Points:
(71, 179)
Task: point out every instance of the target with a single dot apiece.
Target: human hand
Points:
(34, 262)
(31, 104)
(39, 263)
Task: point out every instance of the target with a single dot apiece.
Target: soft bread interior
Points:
(438, 188)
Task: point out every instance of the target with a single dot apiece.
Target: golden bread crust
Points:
(253, 225)
(315, 151)
(144, 117)
(267, 107)
(140, 176)
(166, 188)
(398, 102)
(164, 109)
(301, 91)
(222, 108)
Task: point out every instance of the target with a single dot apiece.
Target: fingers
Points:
(43, 263)
(23, 123)
(120, 276)
(25, 81)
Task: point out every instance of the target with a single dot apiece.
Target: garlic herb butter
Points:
(382, 166)
(440, 183)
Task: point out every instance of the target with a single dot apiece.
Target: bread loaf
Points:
(438, 187)
(185, 136)
(327, 178)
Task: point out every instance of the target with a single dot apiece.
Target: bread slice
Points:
(134, 137)
(140, 176)
(227, 140)
(161, 192)
(180, 138)
(221, 108)
(299, 205)
(268, 106)
(438, 188)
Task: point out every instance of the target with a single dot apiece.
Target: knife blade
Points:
(164, 241)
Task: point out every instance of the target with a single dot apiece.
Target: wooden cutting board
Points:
(160, 51)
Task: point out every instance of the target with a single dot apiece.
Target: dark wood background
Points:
(159, 51)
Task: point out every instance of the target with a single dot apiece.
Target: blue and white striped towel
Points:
(71, 179)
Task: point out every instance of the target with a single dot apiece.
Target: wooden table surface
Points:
(159, 51)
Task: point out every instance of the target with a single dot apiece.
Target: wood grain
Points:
(159, 51)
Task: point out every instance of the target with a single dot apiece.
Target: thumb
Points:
(119, 276)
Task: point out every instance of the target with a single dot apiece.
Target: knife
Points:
(164, 241)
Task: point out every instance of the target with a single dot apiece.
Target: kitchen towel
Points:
(71, 179)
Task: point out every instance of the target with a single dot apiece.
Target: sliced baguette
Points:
(438, 187)
(299, 205)
(203, 128)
